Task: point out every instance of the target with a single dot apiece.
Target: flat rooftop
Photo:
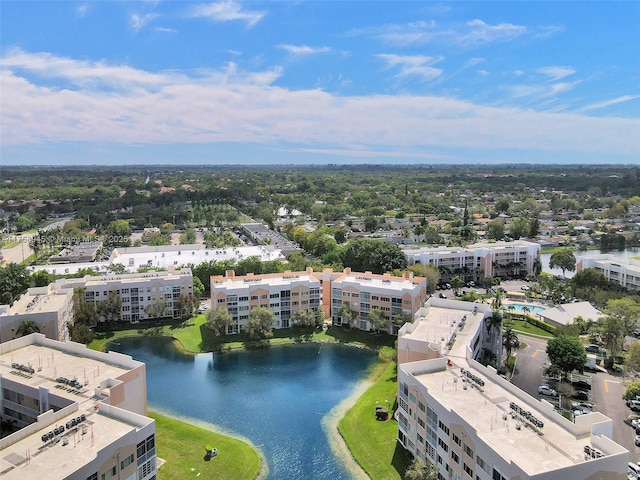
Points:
(440, 325)
(276, 279)
(133, 258)
(30, 457)
(398, 284)
(50, 363)
(484, 409)
(38, 303)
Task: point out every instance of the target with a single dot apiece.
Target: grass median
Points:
(373, 443)
(182, 445)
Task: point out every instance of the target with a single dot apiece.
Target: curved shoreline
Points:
(264, 466)
(329, 425)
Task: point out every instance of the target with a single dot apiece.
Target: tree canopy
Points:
(373, 256)
(566, 353)
(563, 259)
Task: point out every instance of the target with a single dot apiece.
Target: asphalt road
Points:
(606, 390)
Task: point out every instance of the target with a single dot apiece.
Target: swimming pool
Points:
(518, 307)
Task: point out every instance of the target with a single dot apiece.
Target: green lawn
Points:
(182, 445)
(195, 337)
(373, 443)
(527, 328)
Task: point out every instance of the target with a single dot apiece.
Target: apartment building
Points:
(78, 414)
(287, 293)
(49, 308)
(360, 293)
(479, 260)
(473, 424)
(623, 272)
(143, 295)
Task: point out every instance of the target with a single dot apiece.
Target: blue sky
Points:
(319, 82)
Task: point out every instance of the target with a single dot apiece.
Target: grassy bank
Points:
(529, 329)
(182, 445)
(373, 443)
(195, 337)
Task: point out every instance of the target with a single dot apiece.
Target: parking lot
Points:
(606, 391)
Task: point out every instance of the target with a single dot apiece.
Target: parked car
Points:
(442, 295)
(581, 395)
(637, 441)
(547, 390)
(633, 404)
(592, 348)
(586, 407)
(581, 384)
(525, 288)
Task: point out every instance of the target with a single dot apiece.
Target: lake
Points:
(545, 257)
(275, 397)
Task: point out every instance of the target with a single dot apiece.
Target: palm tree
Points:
(27, 327)
(496, 304)
(510, 340)
(456, 284)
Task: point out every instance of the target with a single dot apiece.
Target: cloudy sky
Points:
(300, 82)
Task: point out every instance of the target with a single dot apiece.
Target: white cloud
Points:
(608, 103)
(303, 50)
(474, 61)
(165, 30)
(557, 72)
(473, 33)
(102, 103)
(81, 10)
(138, 22)
(413, 65)
(227, 11)
(481, 32)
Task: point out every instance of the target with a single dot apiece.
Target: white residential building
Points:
(471, 423)
(137, 291)
(79, 414)
(479, 260)
(49, 308)
(623, 272)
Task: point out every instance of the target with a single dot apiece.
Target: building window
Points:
(443, 445)
(126, 462)
(444, 428)
(457, 440)
(468, 470)
(109, 473)
(455, 457)
(468, 451)
(93, 476)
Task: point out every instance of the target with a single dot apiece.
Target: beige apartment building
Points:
(287, 293)
(80, 414)
(49, 308)
(479, 260)
(473, 424)
(623, 272)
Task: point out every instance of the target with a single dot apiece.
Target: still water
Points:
(545, 257)
(275, 397)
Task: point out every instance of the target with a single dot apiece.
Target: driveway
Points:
(606, 390)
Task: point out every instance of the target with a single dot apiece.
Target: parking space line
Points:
(606, 386)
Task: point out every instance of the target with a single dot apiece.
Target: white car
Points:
(547, 390)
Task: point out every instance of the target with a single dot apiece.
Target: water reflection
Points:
(274, 397)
